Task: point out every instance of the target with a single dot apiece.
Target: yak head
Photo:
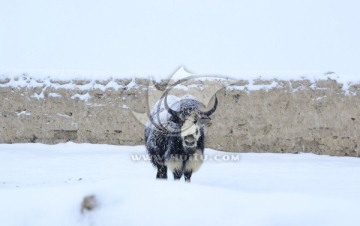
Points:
(190, 120)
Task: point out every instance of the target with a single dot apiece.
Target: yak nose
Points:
(189, 140)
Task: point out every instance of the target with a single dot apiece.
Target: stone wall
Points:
(278, 116)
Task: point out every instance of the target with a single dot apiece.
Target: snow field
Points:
(45, 185)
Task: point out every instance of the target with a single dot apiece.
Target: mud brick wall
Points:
(280, 116)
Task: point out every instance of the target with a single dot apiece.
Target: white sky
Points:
(157, 36)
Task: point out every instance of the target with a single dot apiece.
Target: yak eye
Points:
(195, 121)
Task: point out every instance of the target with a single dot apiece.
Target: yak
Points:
(174, 136)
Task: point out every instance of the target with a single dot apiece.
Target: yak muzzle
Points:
(189, 140)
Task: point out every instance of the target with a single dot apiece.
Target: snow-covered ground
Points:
(45, 185)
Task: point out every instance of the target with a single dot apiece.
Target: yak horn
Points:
(213, 109)
(171, 111)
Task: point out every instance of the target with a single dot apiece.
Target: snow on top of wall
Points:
(25, 80)
(180, 73)
(97, 80)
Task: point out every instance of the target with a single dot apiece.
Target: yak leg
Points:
(187, 175)
(177, 174)
(162, 172)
